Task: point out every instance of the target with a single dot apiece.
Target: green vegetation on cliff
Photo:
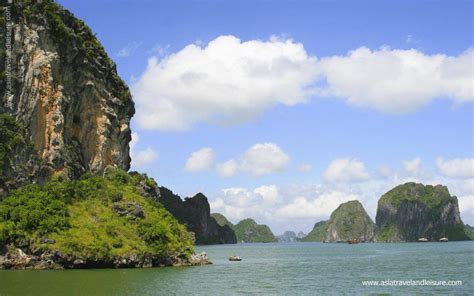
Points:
(249, 231)
(411, 211)
(470, 231)
(348, 221)
(318, 234)
(9, 138)
(431, 196)
(221, 220)
(94, 218)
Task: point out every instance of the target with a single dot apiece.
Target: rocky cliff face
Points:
(412, 211)
(195, 213)
(349, 221)
(73, 108)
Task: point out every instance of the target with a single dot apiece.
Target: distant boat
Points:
(443, 239)
(235, 258)
(352, 241)
(422, 240)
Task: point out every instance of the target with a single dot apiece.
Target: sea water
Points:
(273, 269)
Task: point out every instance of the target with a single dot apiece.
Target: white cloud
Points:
(320, 206)
(159, 50)
(456, 168)
(413, 166)
(227, 169)
(228, 81)
(263, 159)
(397, 81)
(305, 168)
(201, 160)
(269, 193)
(237, 203)
(466, 207)
(468, 186)
(345, 170)
(260, 159)
(128, 49)
(385, 171)
(143, 157)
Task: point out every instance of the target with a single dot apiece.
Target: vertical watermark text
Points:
(7, 14)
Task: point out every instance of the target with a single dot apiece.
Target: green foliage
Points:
(389, 232)
(80, 217)
(249, 231)
(221, 220)
(10, 137)
(431, 196)
(458, 232)
(469, 231)
(318, 234)
(58, 27)
(350, 220)
(32, 211)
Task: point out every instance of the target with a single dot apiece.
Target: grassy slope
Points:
(80, 217)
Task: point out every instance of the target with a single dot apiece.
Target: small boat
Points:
(352, 241)
(235, 258)
(422, 240)
(443, 239)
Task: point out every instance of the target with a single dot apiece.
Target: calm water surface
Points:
(298, 268)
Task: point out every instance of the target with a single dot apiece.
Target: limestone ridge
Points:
(195, 213)
(349, 221)
(248, 231)
(411, 211)
(73, 108)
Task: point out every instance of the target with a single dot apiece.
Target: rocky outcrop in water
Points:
(289, 237)
(348, 222)
(66, 200)
(248, 231)
(195, 213)
(412, 211)
(16, 258)
(73, 108)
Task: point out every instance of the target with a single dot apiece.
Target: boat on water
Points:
(443, 239)
(235, 258)
(422, 240)
(352, 241)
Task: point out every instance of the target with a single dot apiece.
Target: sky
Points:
(280, 110)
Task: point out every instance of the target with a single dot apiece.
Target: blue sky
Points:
(343, 135)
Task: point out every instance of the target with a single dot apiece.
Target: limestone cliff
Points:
(349, 221)
(195, 213)
(73, 108)
(412, 211)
